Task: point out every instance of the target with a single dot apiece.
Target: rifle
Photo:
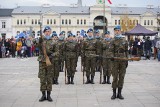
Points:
(119, 58)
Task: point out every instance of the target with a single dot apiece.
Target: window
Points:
(137, 22)
(51, 21)
(32, 21)
(81, 21)
(78, 22)
(17, 22)
(36, 21)
(54, 21)
(21, 21)
(85, 22)
(151, 22)
(133, 22)
(144, 22)
(115, 22)
(47, 21)
(66, 22)
(62, 21)
(69, 21)
(3, 24)
(148, 22)
(24, 21)
(119, 22)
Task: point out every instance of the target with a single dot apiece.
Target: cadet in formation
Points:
(89, 55)
(56, 59)
(45, 72)
(70, 52)
(107, 64)
(119, 48)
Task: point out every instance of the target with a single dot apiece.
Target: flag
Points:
(109, 1)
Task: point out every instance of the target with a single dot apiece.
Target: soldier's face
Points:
(107, 36)
(117, 31)
(90, 33)
(47, 32)
(70, 38)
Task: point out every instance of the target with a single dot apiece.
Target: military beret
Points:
(70, 34)
(54, 34)
(97, 31)
(90, 30)
(107, 32)
(47, 28)
(118, 27)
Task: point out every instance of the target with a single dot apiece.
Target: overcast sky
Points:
(132, 3)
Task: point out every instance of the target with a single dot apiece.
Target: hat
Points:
(118, 27)
(61, 33)
(90, 30)
(54, 34)
(70, 34)
(97, 31)
(47, 28)
(107, 32)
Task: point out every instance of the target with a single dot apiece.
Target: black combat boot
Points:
(88, 80)
(43, 96)
(56, 81)
(119, 95)
(53, 81)
(68, 80)
(108, 80)
(48, 96)
(114, 94)
(104, 80)
(92, 79)
(72, 77)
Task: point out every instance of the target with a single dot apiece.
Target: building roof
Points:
(133, 10)
(6, 12)
(55, 9)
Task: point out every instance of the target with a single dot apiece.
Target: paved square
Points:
(19, 87)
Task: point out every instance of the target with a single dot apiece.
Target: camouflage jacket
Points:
(99, 46)
(119, 47)
(106, 48)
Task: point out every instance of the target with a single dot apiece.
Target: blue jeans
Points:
(158, 54)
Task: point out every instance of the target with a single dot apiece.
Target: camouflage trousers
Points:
(90, 64)
(70, 66)
(118, 73)
(55, 69)
(45, 75)
(107, 67)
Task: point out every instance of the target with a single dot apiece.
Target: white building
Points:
(77, 17)
(5, 23)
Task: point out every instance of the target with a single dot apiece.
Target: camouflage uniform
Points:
(45, 73)
(119, 47)
(70, 58)
(61, 62)
(89, 56)
(106, 63)
(55, 61)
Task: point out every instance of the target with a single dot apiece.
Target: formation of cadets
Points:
(97, 54)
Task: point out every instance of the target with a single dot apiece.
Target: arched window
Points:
(51, 21)
(69, 21)
(62, 21)
(119, 22)
(84, 21)
(21, 21)
(47, 21)
(81, 21)
(54, 21)
(24, 21)
(17, 22)
(148, 22)
(35, 21)
(144, 22)
(77, 21)
(66, 22)
(115, 22)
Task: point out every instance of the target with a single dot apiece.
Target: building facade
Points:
(77, 17)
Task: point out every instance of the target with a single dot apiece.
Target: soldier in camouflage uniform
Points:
(61, 43)
(56, 59)
(70, 57)
(119, 48)
(89, 56)
(45, 72)
(107, 65)
(99, 51)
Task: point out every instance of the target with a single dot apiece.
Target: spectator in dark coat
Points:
(147, 48)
